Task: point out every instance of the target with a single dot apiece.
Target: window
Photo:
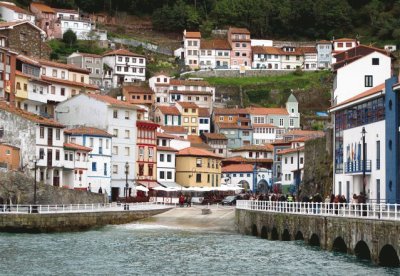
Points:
(53, 90)
(115, 169)
(115, 114)
(126, 151)
(107, 143)
(54, 74)
(62, 91)
(291, 160)
(115, 150)
(57, 155)
(58, 134)
(115, 132)
(141, 169)
(301, 160)
(368, 81)
(168, 157)
(198, 162)
(198, 177)
(281, 122)
(375, 61)
(286, 160)
(185, 119)
(91, 142)
(141, 151)
(126, 115)
(161, 157)
(291, 122)
(169, 175)
(41, 132)
(94, 166)
(162, 174)
(41, 153)
(378, 155)
(127, 134)
(151, 152)
(194, 120)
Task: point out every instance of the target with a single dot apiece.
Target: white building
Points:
(243, 175)
(123, 66)
(365, 111)
(359, 69)
(267, 57)
(70, 19)
(10, 12)
(262, 42)
(160, 85)
(76, 163)
(100, 144)
(204, 120)
(165, 160)
(310, 58)
(191, 46)
(115, 117)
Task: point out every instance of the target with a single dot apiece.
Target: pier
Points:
(369, 231)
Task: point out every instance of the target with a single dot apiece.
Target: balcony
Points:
(356, 167)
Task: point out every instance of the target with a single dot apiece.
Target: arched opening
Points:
(286, 235)
(362, 251)
(314, 240)
(262, 186)
(254, 231)
(388, 256)
(299, 236)
(339, 245)
(244, 184)
(264, 232)
(274, 234)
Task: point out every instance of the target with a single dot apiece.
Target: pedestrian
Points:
(100, 190)
(181, 200)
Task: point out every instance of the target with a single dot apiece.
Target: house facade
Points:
(10, 12)
(324, 52)
(191, 48)
(91, 62)
(166, 156)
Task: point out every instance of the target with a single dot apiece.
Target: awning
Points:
(170, 185)
(148, 184)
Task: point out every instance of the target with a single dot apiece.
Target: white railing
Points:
(81, 208)
(365, 211)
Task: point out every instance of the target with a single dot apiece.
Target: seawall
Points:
(69, 222)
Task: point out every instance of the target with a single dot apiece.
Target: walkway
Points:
(81, 208)
(362, 211)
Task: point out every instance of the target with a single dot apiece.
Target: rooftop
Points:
(193, 151)
(69, 67)
(160, 148)
(174, 129)
(76, 147)
(188, 104)
(267, 110)
(204, 112)
(112, 101)
(307, 133)
(169, 110)
(14, 8)
(68, 82)
(189, 82)
(266, 147)
(234, 30)
(90, 131)
(215, 136)
(137, 89)
(291, 150)
(43, 7)
(217, 44)
(122, 52)
(237, 168)
(193, 35)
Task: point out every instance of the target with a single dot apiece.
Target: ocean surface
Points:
(141, 249)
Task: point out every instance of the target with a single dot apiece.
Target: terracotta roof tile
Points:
(88, 55)
(239, 30)
(30, 116)
(195, 139)
(193, 35)
(174, 129)
(111, 101)
(69, 67)
(169, 110)
(215, 136)
(159, 148)
(230, 111)
(122, 52)
(308, 133)
(137, 89)
(345, 57)
(14, 8)
(191, 92)
(267, 50)
(253, 148)
(217, 44)
(369, 92)
(344, 39)
(28, 60)
(72, 83)
(76, 147)
(242, 160)
(265, 111)
(165, 135)
(263, 125)
(291, 150)
(188, 104)
(324, 42)
(237, 168)
(189, 82)
(204, 112)
(232, 126)
(192, 151)
(43, 7)
(308, 50)
(91, 131)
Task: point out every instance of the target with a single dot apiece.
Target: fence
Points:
(80, 208)
(364, 211)
(146, 45)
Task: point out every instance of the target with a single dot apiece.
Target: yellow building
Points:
(198, 168)
(21, 88)
(190, 116)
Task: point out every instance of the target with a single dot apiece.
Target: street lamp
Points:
(363, 132)
(34, 207)
(126, 206)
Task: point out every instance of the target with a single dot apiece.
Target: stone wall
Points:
(375, 233)
(318, 173)
(225, 73)
(19, 189)
(25, 39)
(66, 222)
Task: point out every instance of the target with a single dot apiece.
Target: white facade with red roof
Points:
(160, 85)
(123, 66)
(117, 118)
(191, 46)
(11, 12)
(165, 160)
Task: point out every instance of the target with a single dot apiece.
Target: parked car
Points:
(229, 200)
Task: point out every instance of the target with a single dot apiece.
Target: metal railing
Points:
(357, 166)
(81, 208)
(381, 211)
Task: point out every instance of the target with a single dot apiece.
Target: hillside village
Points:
(101, 123)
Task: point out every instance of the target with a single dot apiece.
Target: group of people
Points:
(185, 200)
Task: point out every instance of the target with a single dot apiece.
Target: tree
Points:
(69, 37)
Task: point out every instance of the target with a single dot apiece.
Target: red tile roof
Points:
(267, 50)
(165, 135)
(369, 92)
(266, 147)
(43, 7)
(122, 52)
(30, 116)
(308, 50)
(238, 30)
(324, 42)
(72, 83)
(240, 159)
(230, 111)
(193, 35)
(88, 55)
(191, 92)
(159, 148)
(169, 110)
(28, 60)
(69, 67)
(346, 57)
(204, 112)
(189, 82)
(192, 151)
(194, 139)
(174, 129)
(137, 89)
(188, 104)
(232, 126)
(237, 168)
(217, 44)
(76, 147)
(14, 8)
(112, 101)
(91, 131)
(344, 39)
(265, 111)
(215, 136)
(291, 150)
(264, 125)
